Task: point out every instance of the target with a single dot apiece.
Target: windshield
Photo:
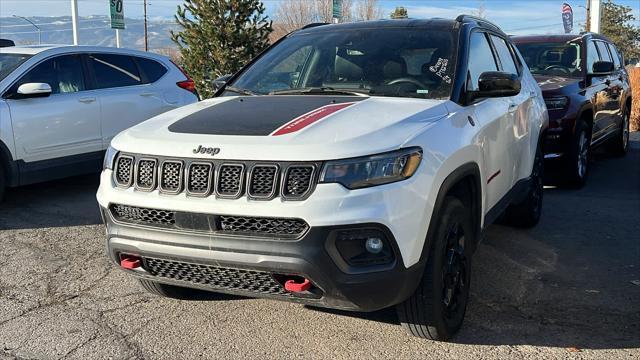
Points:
(9, 62)
(553, 59)
(401, 62)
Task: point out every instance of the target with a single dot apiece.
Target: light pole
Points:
(34, 25)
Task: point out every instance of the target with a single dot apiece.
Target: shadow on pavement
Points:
(65, 202)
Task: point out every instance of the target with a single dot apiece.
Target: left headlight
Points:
(109, 157)
(372, 170)
(556, 103)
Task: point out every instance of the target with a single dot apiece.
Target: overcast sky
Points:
(515, 17)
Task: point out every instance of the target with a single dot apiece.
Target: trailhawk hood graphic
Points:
(262, 115)
(285, 127)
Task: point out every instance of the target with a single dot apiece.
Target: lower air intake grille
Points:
(285, 228)
(215, 277)
(145, 216)
(253, 225)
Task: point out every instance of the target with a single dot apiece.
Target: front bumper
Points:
(394, 209)
(259, 267)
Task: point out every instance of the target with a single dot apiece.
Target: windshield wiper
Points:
(320, 90)
(240, 90)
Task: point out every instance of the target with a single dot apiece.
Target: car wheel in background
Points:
(578, 160)
(436, 309)
(620, 144)
(527, 213)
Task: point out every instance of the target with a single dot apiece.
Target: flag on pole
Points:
(567, 18)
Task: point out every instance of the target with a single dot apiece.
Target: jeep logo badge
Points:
(206, 150)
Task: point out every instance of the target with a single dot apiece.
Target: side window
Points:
(151, 68)
(592, 55)
(615, 55)
(63, 73)
(480, 59)
(114, 70)
(604, 53)
(506, 58)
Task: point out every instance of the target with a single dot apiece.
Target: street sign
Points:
(337, 9)
(117, 14)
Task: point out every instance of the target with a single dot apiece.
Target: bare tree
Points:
(294, 14)
(368, 10)
(325, 10)
(482, 10)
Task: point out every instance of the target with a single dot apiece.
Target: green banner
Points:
(117, 14)
(337, 9)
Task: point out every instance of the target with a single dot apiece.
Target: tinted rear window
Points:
(114, 70)
(9, 62)
(151, 68)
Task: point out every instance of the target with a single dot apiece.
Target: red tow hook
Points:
(130, 262)
(293, 286)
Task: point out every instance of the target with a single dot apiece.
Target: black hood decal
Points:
(254, 115)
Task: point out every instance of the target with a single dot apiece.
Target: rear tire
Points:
(620, 144)
(436, 309)
(579, 154)
(172, 291)
(526, 214)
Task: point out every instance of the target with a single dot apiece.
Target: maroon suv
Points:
(586, 89)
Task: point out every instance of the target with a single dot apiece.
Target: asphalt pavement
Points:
(569, 288)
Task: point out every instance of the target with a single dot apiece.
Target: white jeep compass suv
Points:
(351, 166)
(60, 106)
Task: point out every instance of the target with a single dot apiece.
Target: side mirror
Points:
(495, 84)
(602, 68)
(33, 90)
(221, 81)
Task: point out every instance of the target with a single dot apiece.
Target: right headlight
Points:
(372, 170)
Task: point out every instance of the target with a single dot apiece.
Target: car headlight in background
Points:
(372, 170)
(556, 103)
(109, 157)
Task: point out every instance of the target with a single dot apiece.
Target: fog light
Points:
(374, 245)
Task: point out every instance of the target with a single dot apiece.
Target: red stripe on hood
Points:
(309, 118)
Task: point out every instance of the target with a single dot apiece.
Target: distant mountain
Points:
(93, 30)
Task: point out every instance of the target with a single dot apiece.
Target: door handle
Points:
(532, 94)
(513, 107)
(146, 94)
(608, 82)
(87, 100)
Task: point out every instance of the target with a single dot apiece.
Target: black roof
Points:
(434, 23)
(557, 37)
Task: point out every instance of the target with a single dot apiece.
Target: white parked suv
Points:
(350, 166)
(60, 106)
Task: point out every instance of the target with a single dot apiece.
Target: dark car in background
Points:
(587, 93)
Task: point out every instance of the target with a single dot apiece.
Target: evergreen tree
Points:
(218, 37)
(619, 25)
(400, 13)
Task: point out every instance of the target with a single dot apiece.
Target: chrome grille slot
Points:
(200, 177)
(263, 181)
(171, 176)
(123, 172)
(146, 174)
(298, 181)
(229, 181)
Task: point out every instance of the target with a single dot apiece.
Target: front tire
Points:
(3, 179)
(526, 214)
(436, 309)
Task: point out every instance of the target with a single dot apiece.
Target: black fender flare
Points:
(470, 169)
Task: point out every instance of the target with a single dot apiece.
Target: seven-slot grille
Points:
(257, 180)
(286, 228)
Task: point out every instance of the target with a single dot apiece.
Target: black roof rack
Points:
(312, 25)
(482, 21)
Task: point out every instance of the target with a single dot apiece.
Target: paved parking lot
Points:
(562, 289)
